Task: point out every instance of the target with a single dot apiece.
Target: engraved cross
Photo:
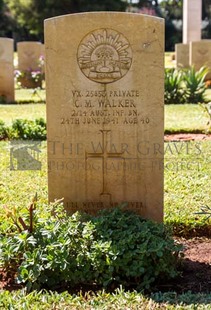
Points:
(104, 155)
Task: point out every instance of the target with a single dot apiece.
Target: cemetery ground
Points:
(187, 192)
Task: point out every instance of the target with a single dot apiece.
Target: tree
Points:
(172, 12)
(30, 14)
(6, 22)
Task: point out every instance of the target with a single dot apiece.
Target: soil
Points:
(196, 264)
(195, 267)
(186, 137)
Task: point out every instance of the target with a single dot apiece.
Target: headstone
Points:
(182, 55)
(7, 89)
(104, 87)
(200, 55)
(42, 58)
(28, 55)
(192, 19)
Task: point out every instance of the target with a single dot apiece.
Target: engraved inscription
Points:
(93, 206)
(105, 107)
(104, 55)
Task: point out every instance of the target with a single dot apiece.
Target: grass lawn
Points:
(187, 185)
(185, 118)
(169, 61)
(103, 301)
(24, 95)
(10, 112)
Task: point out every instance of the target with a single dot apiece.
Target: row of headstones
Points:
(28, 56)
(197, 54)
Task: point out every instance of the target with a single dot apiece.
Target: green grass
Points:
(10, 112)
(28, 95)
(118, 300)
(18, 187)
(169, 62)
(185, 118)
(187, 186)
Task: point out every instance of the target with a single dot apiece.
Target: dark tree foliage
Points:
(31, 16)
(6, 23)
(23, 19)
(148, 3)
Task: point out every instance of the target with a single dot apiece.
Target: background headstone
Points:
(192, 18)
(28, 55)
(182, 55)
(104, 88)
(7, 69)
(200, 55)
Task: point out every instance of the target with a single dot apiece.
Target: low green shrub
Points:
(29, 130)
(24, 129)
(115, 247)
(4, 131)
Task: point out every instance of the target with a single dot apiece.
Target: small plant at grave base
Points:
(115, 247)
(195, 85)
(174, 92)
(31, 78)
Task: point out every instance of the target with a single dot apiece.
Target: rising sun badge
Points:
(104, 55)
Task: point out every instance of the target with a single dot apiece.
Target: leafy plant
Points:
(31, 78)
(27, 129)
(115, 247)
(195, 85)
(4, 131)
(174, 91)
(24, 129)
(185, 86)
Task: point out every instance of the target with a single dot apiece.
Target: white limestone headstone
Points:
(105, 118)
